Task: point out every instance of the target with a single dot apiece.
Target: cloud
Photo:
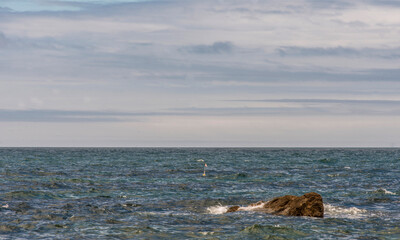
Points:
(323, 101)
(281, 107)
(334, 107)
(60, 116)
(3, 40)
(388, 53)
(330, 4)
(215, 48)
(317, 51)
(389, 3)
(5, 9)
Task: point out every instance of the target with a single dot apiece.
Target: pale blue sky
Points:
(200, 73)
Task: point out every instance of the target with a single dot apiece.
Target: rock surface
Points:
(310, 205)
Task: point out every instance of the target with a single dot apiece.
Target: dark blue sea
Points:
(161, 193)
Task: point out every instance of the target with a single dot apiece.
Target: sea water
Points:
(161, 193)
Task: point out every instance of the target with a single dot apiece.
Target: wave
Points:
(331, 211)
(223, 209)
(343, 212)
(253, 207)
(384, 191)
(219, 209)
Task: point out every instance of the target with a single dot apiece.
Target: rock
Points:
(233, 209)
(310, 205)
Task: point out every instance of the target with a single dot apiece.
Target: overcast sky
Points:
(305, 73)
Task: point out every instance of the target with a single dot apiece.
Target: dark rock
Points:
(310, 205)
(233, 209)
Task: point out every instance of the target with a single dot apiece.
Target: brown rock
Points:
(310, 205)
(233, 209)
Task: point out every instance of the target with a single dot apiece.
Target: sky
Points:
(199, 73)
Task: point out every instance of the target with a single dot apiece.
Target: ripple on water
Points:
(273, 231)
(25, 195)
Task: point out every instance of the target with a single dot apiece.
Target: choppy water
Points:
(150, 193)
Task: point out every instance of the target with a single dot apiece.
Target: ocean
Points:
(161, 193)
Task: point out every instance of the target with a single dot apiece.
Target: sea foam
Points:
(331, 211)
(343, 212)
(384, 191)
(217, 209)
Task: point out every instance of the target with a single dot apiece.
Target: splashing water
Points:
(217, 209)
(384, 191)
(331, 211)
(342, 212)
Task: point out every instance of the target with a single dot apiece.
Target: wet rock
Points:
(233, 209)
(310, 205)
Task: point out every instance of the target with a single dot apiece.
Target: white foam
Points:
(342, 212)
(217, 209)
(251, 208)
(206, 233)
(223, 209)
(329, 210)
(386, 191)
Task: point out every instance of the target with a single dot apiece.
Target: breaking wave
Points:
(384, 191)
(330, 211)
(343, 212)
(217, 209)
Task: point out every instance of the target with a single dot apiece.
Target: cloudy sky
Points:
(200, 73)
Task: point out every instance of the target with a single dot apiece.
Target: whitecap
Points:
(200, 160)
(217, 209)
(382, 190)
(343, 212)
(329, 210)
(223, 209)
(252, 208)
(206, 233)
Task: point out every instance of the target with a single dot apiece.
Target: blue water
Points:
(156, 193)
